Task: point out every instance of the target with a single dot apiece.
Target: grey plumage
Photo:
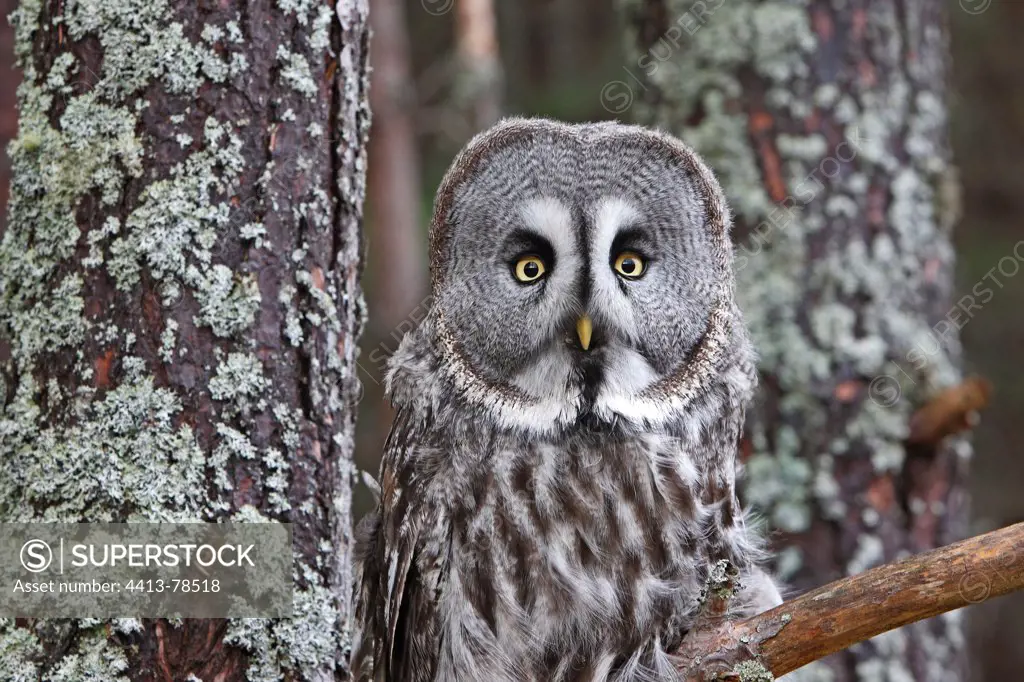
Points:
(550, 512)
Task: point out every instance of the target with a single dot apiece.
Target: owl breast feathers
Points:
(560, 475)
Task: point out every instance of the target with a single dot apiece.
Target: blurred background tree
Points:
(827, 126)
(557, 57)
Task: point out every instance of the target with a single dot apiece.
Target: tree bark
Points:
(826, 122)
(180, 305)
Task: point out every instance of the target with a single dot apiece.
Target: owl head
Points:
(581, 273)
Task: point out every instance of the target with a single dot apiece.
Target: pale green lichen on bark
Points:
(753, 671)
(142, 464)
(125, 452)
(19, 651)
(147, 465)
(295, 70)
(303, 642)
(142, 43)
(94, 659)
(306, 642)
(239, 383)
(174, 228)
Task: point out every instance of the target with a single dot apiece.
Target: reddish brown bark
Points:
(852, 610)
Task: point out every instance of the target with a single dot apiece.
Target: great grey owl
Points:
(560, 475)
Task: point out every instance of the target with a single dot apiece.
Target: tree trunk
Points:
(826, 122)
(396, 257)
(180, 304)
(480, 74)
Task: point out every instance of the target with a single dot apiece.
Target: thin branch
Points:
(855, 609)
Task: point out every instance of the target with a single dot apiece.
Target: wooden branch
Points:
(852, 610)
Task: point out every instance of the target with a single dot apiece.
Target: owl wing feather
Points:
(401, 572)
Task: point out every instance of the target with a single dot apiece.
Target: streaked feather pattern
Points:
(563, 537)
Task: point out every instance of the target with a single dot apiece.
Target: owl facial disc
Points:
(577, 269)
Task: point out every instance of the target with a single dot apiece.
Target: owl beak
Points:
(584, 330)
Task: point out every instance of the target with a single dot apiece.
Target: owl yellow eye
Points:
(529, 269)
(629, 264)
